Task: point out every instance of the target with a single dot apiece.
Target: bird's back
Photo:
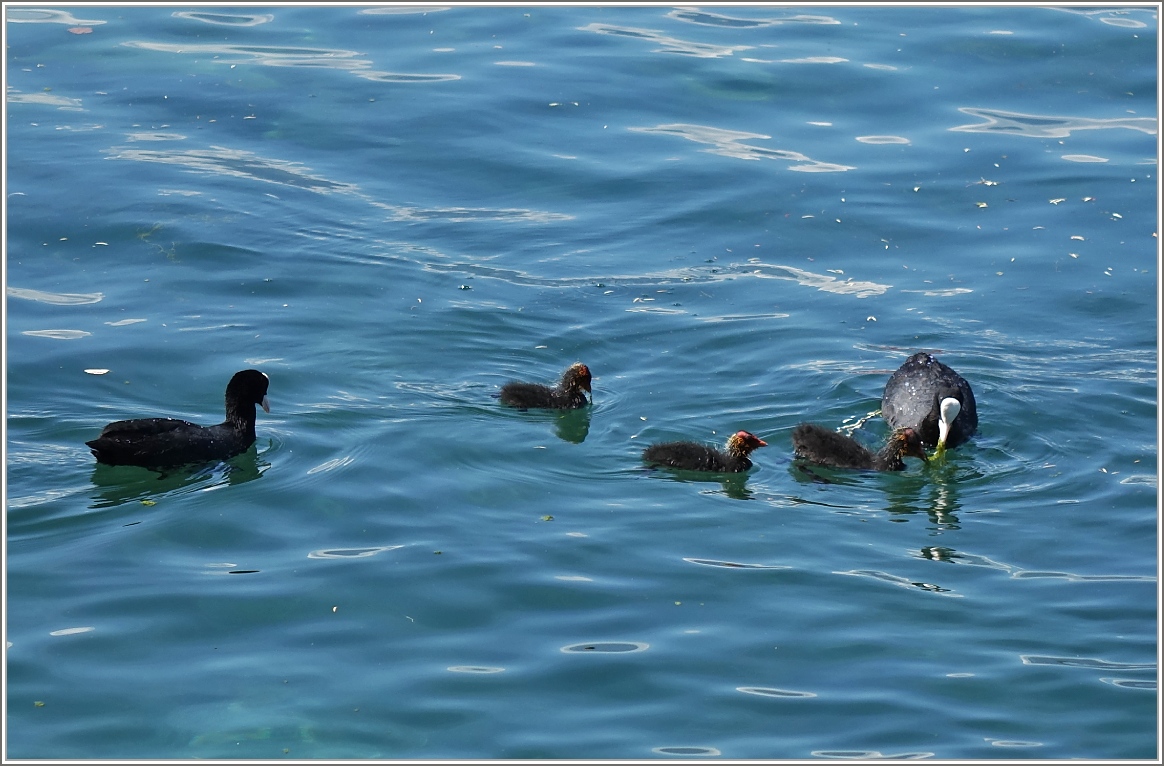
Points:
(912, 395)
(693, 457)
(162, 442)
(829, 448)
(526, 395)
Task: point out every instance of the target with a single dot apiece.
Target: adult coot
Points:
(829, 448)
(932, 399)
(569, 394)
(691, 456)
(165, 442)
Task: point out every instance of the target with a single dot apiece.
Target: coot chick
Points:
(932, 399)
(828, 448)
(570, 393)
(166, 442)
(690, 456)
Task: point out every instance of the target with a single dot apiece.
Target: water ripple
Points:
(218, 160)
(1045, 126)
(883, 139)
(461, 214)
(607, 647)
(226, 19)
(870, 755)
(686, 750)
(1116, 17)
(951, 556)
(734, 564)
(48, 99)
(706, 18)
(901, 581)
(58, 299)
(764, 691)
(58, 334)
(1084, 662)
(41, 16)
(396, 10)
(727, 143)
(290, 56)
(1131, 683)
(693, 275)
(350, 553)
(667, 44)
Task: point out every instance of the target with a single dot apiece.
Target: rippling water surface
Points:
(738, 218)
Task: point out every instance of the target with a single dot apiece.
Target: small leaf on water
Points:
(149, 502)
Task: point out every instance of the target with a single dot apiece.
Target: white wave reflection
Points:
(395, 10)
(870, 755)
(1018, 573)
(47, 99)
(743, 317)
(57, 299)
(727, 143)
(686, 750)
(667, 44)
(57, 334)
(1084, 158)
(284, 56)
(331, 465)
(708, 19)
(815, 60)
(765, 691)
(1046, 126)
(226, 19)
(1116, 17)
(1131, 683)
(901, 582)
(406, 78)
(1085, 662)
(754, 269)
(351, 553)
(460, 214)
(154, 136)
(942, 293)
(41, 16)
(218, 160)
(883, 139)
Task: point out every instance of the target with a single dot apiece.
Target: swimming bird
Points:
(826, 447)
(932, 399)
(167, 442)
(569, 394)
(691, 456)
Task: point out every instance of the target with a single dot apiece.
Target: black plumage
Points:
(919, 391)
(826, 447)
(167, 442)
(691, 456)
(569, 394)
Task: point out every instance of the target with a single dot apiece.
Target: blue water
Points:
(738, 218)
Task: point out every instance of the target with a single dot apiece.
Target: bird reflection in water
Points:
(117, 485)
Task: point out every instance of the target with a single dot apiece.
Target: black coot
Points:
(690, 456)
(932, 399)
(570, 393)
(166, 442)
(826, 447)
